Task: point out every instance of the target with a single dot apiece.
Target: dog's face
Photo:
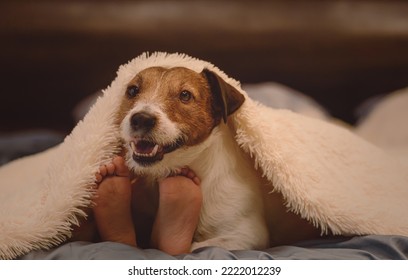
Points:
(167, 113)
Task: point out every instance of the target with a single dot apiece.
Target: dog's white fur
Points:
(167, 130)
(232, 215)
(231, 192)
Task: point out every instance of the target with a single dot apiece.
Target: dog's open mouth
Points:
(146, 152)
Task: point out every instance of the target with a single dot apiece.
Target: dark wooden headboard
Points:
(54, 53)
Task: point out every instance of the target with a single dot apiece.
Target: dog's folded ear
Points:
(227, 99)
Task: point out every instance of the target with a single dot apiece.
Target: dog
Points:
(170, 118)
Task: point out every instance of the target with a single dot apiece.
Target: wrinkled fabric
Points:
(370, 247)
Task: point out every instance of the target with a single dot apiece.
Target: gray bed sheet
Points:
(370, 247)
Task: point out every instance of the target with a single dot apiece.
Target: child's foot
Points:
(178, 214)
(112, 200)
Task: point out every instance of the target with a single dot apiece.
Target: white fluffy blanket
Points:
(326, 173)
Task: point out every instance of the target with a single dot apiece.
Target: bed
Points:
(371, 247)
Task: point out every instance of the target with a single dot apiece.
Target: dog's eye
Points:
(185, 96)
(132, 91)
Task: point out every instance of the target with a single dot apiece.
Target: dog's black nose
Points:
(143, 121)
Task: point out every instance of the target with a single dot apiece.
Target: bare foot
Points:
(113, 203)
(178, 214)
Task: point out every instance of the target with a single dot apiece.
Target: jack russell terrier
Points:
(175, 117)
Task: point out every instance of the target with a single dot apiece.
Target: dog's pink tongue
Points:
(144, 147)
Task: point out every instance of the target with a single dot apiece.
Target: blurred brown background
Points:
(55, 53)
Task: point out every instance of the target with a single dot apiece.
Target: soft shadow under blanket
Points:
(327, 174)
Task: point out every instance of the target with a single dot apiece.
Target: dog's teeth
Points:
(133, 146)
(151, 154)
(155, 149)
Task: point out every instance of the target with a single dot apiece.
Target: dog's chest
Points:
(228, 197)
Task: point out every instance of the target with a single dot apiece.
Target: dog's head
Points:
(167, 113)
